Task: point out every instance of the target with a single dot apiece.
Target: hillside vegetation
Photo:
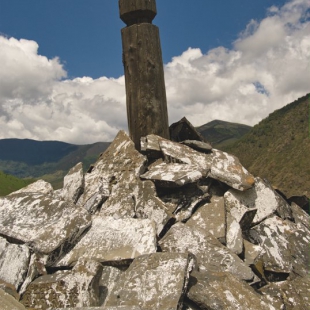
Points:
(221, 133)
(9, 183)
(47, 160)
(278, 148)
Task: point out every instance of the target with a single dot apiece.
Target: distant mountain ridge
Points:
(222, 133)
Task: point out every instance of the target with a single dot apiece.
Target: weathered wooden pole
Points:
(144, 74)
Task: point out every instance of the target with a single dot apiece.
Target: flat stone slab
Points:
(234, 240)
(221, 290)
(211, 254)
(172, 175)
(14, 260)
(199, 146)
(112, 239)
(228, 169)
(76, 288)
(261, 196)
(211, 217)
(285, 243)
(42, 222)
(121, 156)
(155, 281)
(8, 302)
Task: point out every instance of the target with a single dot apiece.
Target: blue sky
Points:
(85, 34)
(61, 74)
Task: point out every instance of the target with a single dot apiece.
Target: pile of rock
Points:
(177, 226)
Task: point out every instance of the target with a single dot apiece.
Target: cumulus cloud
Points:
(267, 68)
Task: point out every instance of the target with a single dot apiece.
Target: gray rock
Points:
(73, 183)
(47, 225)
(131, 197)
(234, 240)
(261, 196)
(155, 281)
(39, 186)
(301, 218)
(199, 146)
(79, 288)
(8, 302)
(110, 276)
(285, 243)
(227, 169)
(112, 239)
(221, 290)
(14, 260)
(172, 175)
(120, 157)
(211, 254)
(252, 253)
(292, 294)
(211, 217)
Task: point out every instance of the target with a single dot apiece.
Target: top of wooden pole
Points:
(137, 11)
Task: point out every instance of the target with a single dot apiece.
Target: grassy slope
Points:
(278, 147)
(9, 183)
(221, 133)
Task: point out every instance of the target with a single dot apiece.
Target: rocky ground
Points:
(178, 225)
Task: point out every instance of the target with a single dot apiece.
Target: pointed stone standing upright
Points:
(144, 74)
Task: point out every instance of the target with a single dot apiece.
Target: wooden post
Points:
(144, 74)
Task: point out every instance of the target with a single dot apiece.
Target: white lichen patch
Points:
(114, 239)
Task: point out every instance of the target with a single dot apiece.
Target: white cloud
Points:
(267, 68)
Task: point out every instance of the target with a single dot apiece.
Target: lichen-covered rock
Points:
(14, 260)
(261, 196)
(252, 252)
(211, 217)
(211, 254)
(221, 290)
(65, 289)
(199, 146)
(155, 281)
(110, 276)
(8, 302)
(227, 169)
(293, 294)
(47, 225)
(301, 218)
(112, 239)
(73, 183)
(39, 186)
(172, 175)
(234, 240)
(285, 243)
(131, 197)
(120, 157)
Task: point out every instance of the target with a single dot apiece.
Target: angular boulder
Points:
(155, 281)
(112, 239)
(73, 183)
(39, 186)
(47, 225)
(121, 156)
(261, 197)
(221, 290)
(228, 169)
(78, 288)
(211, 217)
(8, 302)
(14, 261)
(211, 254)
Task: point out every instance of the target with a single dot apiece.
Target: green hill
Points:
(48, 160)
(9, 183)
(278, 148)
(221, 133)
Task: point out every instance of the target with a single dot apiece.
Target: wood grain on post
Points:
(144, 74)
